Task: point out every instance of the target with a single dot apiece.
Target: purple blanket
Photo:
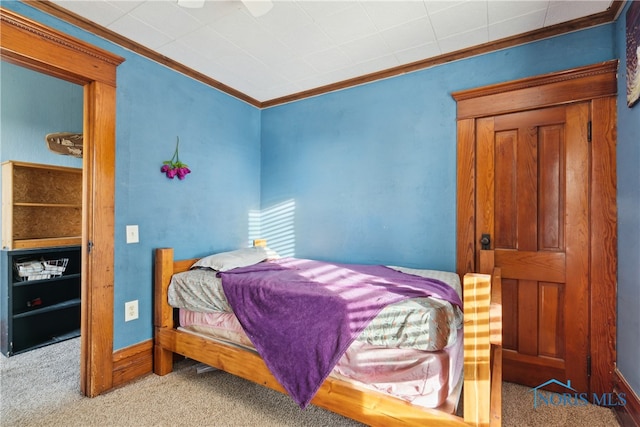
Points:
(302, 315)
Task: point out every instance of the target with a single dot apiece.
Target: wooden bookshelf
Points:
(41, 205)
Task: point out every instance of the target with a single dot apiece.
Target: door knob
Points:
(485, 241)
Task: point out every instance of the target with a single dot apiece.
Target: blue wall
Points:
(372, 169)
(628, 223)
(33, 105)
(209, 210)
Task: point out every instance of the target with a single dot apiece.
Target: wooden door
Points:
(596, 86)
(532, 202)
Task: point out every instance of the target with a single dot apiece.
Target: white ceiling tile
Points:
(308, 38)
(285, 17)
(294, 69)
(375, 65)
(437, 6)
(499, 11)
(140, 32)
(319, 80)
(463, 40)
(238, 25)
(180, 51)
(214, 67)
(343, 74)
(328, 60)
(461, 17)
(214, 10)
(167, 17)
(414, 33)
(252, 71)
(320, 8)
(125, 6)
(418, 53)
(366, 48)
(274, 92)
(266, 48)
(209, 43)
(562, 11)
(513, 26)
(348, 24)
(387, 14)
(102, 13)
(242, 31)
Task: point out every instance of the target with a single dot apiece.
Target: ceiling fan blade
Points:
(258, 7)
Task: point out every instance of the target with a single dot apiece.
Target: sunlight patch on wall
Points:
(276, 225)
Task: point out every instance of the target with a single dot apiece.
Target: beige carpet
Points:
(40, 388)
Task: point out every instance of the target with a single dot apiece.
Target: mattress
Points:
(427, 324)
(424, 378)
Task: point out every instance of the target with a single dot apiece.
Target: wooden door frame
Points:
(597, 84)
(32, 45)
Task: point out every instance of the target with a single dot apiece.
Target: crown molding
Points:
(600, 18)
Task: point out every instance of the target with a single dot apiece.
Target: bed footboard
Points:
(481, 349)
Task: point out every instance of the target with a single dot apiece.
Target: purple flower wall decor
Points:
(175, 167)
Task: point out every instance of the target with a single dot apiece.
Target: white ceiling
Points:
(302, 44)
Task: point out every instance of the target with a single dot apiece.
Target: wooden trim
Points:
(577, 246)
(541, 80)
(604, 244)
(364, 405)
(98, 230)
(34, 46)
(466, 202)
(578, 24)
(67, 58)
(132, 362)
(629, 413)
(578, 84)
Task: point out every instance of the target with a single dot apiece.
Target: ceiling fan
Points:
(256, 7)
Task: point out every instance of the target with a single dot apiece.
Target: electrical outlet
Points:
(132, 234)
(130, 310)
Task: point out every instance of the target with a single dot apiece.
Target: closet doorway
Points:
(32, 45)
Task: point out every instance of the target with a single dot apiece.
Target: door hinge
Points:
(588, 366)
(589, 131)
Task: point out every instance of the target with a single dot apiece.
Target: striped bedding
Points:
(411, 350)
(426, 324)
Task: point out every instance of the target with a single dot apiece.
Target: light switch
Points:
(132, 234)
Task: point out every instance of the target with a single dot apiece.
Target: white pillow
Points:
(224, 261)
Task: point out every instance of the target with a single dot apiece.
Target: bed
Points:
(220, 338)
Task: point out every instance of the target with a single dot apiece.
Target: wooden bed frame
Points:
(482, 357)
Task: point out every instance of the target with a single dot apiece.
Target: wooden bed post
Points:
(162, 313)
(477, 351)
(495, 337)
(483, 357)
